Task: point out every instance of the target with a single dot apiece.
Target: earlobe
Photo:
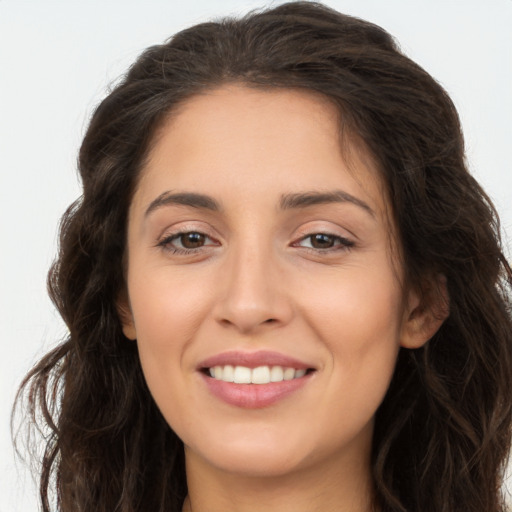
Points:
(129, 330)
(425, 313)
(126, 318)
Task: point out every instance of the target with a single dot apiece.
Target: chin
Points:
(255, 454)
(253, 463)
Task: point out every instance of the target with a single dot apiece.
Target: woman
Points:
(282, 287)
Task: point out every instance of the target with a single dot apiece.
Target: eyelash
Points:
(166, 243)
(340, 243)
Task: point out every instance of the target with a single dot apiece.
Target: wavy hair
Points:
(442, 433)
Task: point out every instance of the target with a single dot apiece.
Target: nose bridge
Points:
(253, 294)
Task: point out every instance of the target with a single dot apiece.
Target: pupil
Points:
(321, 241)
(192, 240)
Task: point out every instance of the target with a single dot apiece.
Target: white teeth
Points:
(259, 375)
(228, 374)
(276, 374)
(242, 375)
(289, 373)
(217, 372)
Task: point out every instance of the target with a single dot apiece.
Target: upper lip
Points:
(253, 360)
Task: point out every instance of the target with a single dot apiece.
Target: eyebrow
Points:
(191, 199)
(300, 200)
(287, 202)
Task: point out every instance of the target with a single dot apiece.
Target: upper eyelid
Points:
(344, 242)
(186, 227)
(169, 237)
(167, 242)
(305, 230)
(337, 231)
(347, 242)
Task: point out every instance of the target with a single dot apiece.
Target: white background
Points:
(56, 61)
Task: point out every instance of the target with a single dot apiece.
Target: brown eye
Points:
(192, 240)
(322, 241)
(187, 242)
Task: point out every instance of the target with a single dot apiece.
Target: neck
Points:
(333, 487)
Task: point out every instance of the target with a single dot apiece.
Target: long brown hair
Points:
(442, 433)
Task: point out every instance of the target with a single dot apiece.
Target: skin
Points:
(261, 282)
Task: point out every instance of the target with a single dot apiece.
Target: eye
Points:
(190, 240)
(185, 242)
(319, 241)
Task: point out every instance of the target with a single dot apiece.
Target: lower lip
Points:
(254, 396)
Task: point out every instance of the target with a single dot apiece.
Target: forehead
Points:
(274, 139)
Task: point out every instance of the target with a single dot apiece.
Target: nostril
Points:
(270, 321)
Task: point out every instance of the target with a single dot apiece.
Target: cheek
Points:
(166, 320)
(357, 307)
(359, 320)
(167, 311)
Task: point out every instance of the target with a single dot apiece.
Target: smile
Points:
(258, 375)
(254, 380)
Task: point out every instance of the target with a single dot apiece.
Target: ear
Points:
(425, 312)
(126, 316)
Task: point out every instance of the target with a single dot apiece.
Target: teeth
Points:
(276, 374)
(228, 373)
(242, 375)
(259, 375)
(289, 373)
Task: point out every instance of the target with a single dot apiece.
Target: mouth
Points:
(254, 380)
(259, 375)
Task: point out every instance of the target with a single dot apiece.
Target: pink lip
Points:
(253, 396)
(253, 360)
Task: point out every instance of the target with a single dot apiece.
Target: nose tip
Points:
(247, 321)
(253, 298)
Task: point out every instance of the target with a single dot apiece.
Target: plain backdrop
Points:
(57, 59)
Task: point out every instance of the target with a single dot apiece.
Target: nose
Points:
(254, 294)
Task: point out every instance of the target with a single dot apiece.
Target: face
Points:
(263, 290)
